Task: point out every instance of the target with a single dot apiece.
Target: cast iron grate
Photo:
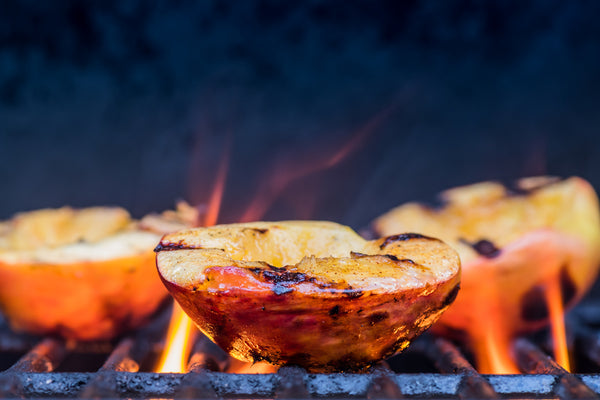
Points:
(431, 368)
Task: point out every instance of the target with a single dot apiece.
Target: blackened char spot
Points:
(334, 311)
(280, 275)
(284, 276)
(259, 230)
(568, 288)
(403, 237)
(377, 317)
(353, 293)
(451, 296)
(483, 247)
(533, 305)
(174, 246)
(276, 269)
(258, 356)
(392, 257)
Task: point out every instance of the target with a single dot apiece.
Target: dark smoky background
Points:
(333, 110)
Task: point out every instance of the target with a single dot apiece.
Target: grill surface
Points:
(431, 368)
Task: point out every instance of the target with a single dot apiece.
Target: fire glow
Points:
(181, 333)
(492, 339)
(180, 336)
(556, 311)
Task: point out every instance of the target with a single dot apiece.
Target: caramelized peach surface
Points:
(313, 294)
(82, 274)
(512, 245)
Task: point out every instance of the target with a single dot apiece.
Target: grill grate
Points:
(41, 371)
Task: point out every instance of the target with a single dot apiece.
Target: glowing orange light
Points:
(240, 367)
(491, 335)
(492, 352)
(557, 324)
(181, 333)
(179, 338)
(492, 343)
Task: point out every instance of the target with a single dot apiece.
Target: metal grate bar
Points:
(207, 356)
(532, 360)
(196, 385)
(121, 358)
(44, 357)
(292, 384)
(383, 386)
(449, 359)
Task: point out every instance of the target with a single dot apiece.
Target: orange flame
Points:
(557, 324)
(181, 333)
(492, 351)
(180, 336)
(285, 174)
(491, 338)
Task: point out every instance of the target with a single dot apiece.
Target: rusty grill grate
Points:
(431, 368)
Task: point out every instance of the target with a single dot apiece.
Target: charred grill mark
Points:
(280, 275)
(392, 257)
(285, 277)
(277, 269)
(272, 267)
(451, 296)
(402, 260)
(353, 293)
(262, 231)
(378, 317)
(282, 280)
(483, 247)
(174, 246)
(568, 288)
(403, 237)
(258, 356)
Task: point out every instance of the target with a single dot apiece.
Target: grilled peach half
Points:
(313, 294)
(514, 245)
(84, 274)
